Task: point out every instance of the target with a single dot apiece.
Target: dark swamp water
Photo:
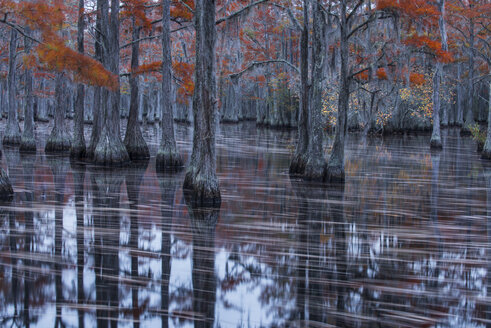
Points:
(406, 243)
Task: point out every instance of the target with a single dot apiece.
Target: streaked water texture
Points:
(405, 243)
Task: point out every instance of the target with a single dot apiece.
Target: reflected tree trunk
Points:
(134, 178)
(28, 161)
(107, 230)
(78, 181)
(168, 187)
(59, 168)
(203, 221)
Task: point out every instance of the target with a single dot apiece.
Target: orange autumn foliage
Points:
(184, 72)
(53, 53)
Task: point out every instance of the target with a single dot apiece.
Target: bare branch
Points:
(240, 11)
(262, 63)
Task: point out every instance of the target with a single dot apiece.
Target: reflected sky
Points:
(404, 243)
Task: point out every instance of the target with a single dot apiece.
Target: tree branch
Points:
(262, 63)
(240, 11)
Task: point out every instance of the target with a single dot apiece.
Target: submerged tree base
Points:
(136, 146)
(27, 145)
(57, 144)
(335, 174)
(436, 143)
(11, 140)
(110, 152)
(78, 151)
(486, 152)
(297, 166)
(315, 170)
(6, 190)
(202, 191)
(168, 160)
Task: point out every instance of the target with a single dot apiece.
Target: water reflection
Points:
(405, 243)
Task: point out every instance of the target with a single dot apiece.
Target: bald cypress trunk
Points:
(335, 169)
(297, 166)
(469, 117)
(135, 144)
(168, 156)
(201, 179)
(78, 150)
(97, 109)
(28, 143)
(11, 136)
(486, 153)
(316, 165)
(436, 142)
(110, 150)
(59, 139)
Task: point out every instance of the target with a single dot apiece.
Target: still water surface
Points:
(405, 243)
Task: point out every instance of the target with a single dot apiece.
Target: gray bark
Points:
(316, 166)
(201, 179)
(469, 117)
(135, 143)
(231, 104)
(486, 152)
(460, 112)
(98, 108)
(12, 135)
(168, 156)
(28, 143)
(436, 140)
(78, 149)
(110, 150)
(59, 139)
(335, 169)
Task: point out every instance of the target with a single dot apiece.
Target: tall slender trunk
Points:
(460, 112)
(59, 139)
(469, 117)
(316, 165)
(97, 109)
(201, 179)
(168, 156)
(335, 169)
(78, 150)
(436, 140)
(486, 153)
(12, 135)
(110, 150)
(297, 166)
(28, 143)
(135, 143)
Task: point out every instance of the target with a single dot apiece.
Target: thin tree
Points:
(12, 135)
(201, 179)
(78, 149)
(168, 156)
(110, 149)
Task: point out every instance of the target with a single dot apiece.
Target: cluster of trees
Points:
(373, 65)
